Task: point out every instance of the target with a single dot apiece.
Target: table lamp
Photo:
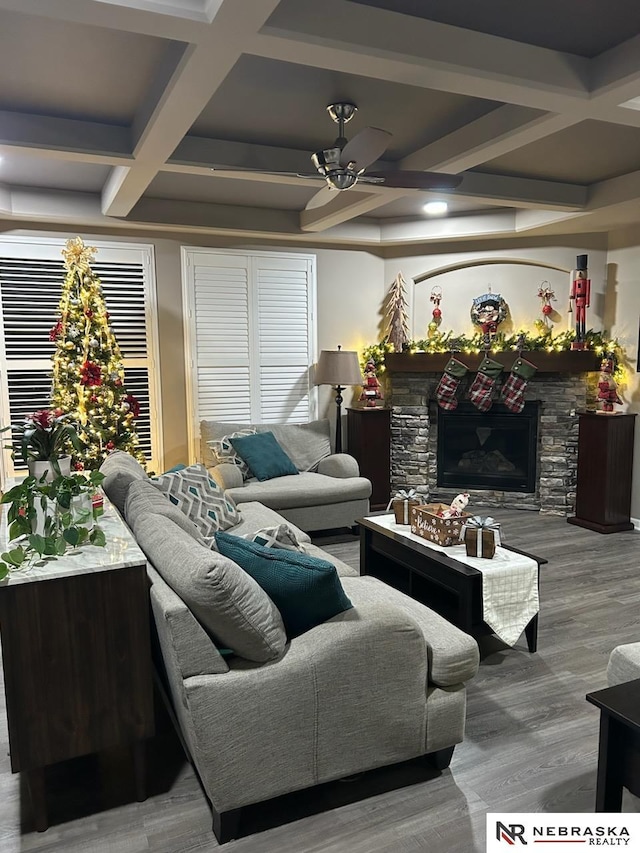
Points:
(338, 368)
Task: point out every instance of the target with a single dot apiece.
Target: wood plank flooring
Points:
(531, 741)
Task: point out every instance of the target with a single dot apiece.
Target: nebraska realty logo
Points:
(599, 830)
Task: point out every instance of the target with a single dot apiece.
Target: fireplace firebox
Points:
(487, 450)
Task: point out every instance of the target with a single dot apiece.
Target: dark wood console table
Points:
(369, 442)
(605, 462)
(76, 658)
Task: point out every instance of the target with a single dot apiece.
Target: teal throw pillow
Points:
(264, 456)
(307, 591)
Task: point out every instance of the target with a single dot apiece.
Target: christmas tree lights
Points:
(88, 373)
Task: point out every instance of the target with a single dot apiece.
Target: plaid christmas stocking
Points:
(448, 385)
(513, 389)
(484, 383)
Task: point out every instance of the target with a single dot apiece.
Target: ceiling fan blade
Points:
(325, 195)
(414, 180)
(365, 147)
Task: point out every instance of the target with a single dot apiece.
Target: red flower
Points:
(42, 419)
(56, 331)
(134, 405)
(90, 374)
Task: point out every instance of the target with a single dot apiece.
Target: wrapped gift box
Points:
(402, 509)
(480, 536)
(427, 523)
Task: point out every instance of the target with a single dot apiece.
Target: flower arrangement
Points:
(43, 517)
(46, 435)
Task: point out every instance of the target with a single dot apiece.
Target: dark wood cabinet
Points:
(369, 441)
(76, 658)
(605, 467)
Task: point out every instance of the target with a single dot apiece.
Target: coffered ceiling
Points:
(178, 115)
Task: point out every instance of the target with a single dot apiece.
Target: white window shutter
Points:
(251, 337)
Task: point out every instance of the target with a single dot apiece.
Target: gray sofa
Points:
(327, 493)
(380, 683)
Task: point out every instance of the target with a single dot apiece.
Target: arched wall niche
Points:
(516, 279)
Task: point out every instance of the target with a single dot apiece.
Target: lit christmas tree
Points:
(88, 375)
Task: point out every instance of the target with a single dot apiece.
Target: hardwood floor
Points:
(531, 741)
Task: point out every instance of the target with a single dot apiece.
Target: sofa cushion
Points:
(227, 602)
(200, 498)
(453, 655)
(307, 591)
(305, 444)
(305, 489)
(225, 453)
(264, 456)
(120, 469)
(143, 497)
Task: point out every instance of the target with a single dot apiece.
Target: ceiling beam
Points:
(502, 130)
(220, 153)
(88, 141)
(198, 73)
(347, 205)
(149, 19)
(521, 192)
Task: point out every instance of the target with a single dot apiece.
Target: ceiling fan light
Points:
(436, 208)
(342, 179)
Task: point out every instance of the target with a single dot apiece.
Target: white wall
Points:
(518, 284)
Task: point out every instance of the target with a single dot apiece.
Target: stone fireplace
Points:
(555, 396)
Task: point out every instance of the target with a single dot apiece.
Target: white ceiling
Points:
(140, 113)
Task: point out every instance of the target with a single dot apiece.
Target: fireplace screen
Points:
(488, 450)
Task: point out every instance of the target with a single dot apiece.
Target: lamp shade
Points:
(338, 367)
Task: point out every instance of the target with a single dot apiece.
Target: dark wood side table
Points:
(76, 658)
(619, 747)
(369, 442)
(605, 462)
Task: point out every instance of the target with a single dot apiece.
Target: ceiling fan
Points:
(343, 165)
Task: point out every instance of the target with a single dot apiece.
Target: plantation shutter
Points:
(31, 277)
(251, 337)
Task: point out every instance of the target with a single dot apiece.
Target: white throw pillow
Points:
(198, 496)
(223, 451)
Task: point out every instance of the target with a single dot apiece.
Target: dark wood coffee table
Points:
(619, 748)
(451, 588)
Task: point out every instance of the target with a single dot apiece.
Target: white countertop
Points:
(120, 552)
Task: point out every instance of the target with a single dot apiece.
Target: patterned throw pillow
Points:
(198, 496)
(224, 452)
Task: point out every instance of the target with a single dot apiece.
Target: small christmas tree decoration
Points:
(512, 392)
(449, 383)
(484, 383)
(547, 296)
(88, 372)
(398, 321)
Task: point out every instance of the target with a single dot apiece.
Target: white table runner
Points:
(509, 582)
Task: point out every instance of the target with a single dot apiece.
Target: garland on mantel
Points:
(538, 341)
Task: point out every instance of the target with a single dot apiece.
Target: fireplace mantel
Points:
(572, 361)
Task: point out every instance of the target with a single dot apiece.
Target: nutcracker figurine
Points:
(371, 390)
(607, 390)
(581, 294)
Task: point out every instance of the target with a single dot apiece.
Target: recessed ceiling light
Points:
(433, 208)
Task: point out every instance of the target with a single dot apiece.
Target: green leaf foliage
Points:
(97, 537)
